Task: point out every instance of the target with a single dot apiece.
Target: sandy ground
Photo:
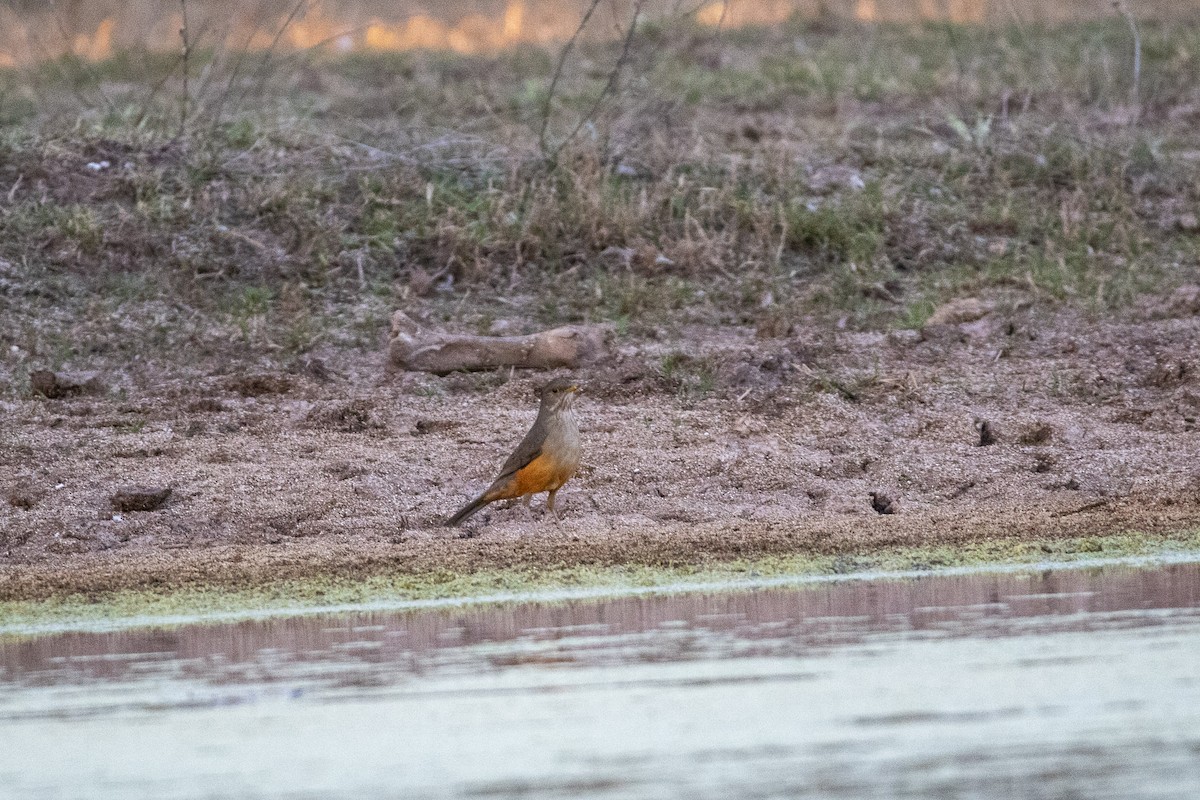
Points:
(745, 446)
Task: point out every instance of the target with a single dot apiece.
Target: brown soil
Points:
(707, 445)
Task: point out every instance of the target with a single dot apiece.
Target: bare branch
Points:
(558, 70)
(298, 10)
(187, 52)
(611, 85)
(1124, 11)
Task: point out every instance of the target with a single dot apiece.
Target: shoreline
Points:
(327, 594)
(850, 329)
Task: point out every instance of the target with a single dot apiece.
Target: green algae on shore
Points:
(130, 609)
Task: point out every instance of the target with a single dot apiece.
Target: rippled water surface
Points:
(1055, 684)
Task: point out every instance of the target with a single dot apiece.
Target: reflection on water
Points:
(782, 620)
(1076, 683)
(96, 29)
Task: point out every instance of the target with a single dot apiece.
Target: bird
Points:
(545, 459)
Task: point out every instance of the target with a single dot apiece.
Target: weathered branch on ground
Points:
(440, 353)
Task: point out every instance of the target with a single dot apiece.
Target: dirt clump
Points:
(25, 496)
(54, 386)
(259, 384)
(140, 498)
(427, 426)
(882, 503)
(354, 416)
(987, 436)
(1037, 433)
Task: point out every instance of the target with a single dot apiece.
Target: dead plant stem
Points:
(558, 71)
(187, 52)
(611, 85)
(1124, 11)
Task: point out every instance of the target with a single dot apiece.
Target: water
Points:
(1058, 684)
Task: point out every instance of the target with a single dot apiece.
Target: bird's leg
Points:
(550, 505)
(525, 504)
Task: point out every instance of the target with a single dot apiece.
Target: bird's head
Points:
(559, 394)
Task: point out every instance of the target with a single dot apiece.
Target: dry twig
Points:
(187, 52)
(558, 70)
(1124, 11)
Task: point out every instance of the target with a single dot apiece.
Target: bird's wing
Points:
(529, 449)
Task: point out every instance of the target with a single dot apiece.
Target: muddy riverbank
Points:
(870, 288)
(1021, 427)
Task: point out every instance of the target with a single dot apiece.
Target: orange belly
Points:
(543, 474)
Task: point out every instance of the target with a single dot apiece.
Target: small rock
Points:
(905, 337)
(833, 177)
(624, 255)
(403, 323)
(956, 312)
(1188, 222)
(68, 546)
(140, 498)
(882, 503)
(502, 327)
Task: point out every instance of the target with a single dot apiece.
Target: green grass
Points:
(692, 378)
(991, 159)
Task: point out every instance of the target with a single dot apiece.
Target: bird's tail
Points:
(467, 510)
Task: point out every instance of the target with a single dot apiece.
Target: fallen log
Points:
(440, 353)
